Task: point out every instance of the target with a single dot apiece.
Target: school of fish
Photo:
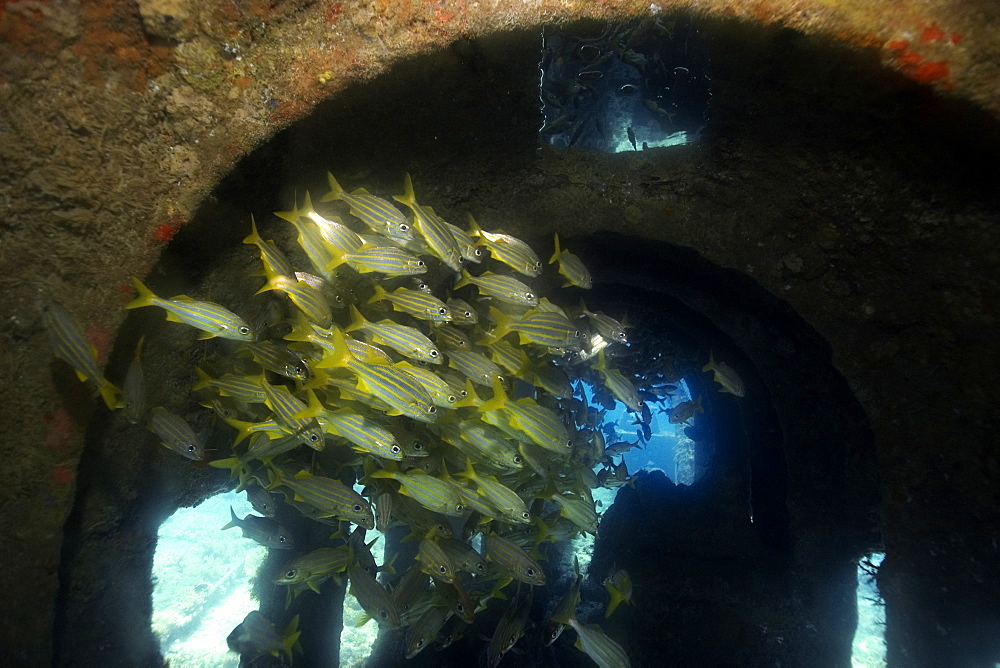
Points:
(414, 357)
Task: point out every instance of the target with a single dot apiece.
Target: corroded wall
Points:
(118, 118)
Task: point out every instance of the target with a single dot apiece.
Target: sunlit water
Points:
(202, 582)
(869, 638)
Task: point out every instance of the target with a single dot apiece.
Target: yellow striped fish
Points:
(403, 339)
(510, 558)
(571, 267)
(439, 239)
(308, 299)
(505, 288)
(373, 597)
(508, 249)
(310, 239)
(211, 318)
(378, 214)
(176, 433)
(70, 344)
(274, 261)
(430, 492)
(417, 303)
(330, 497)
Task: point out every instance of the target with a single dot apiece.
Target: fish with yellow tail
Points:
(684, 411)
(593, 642)
(571, 268)
(725, 376)
(256, 635)
(619, 586)
(510, 628)
(564, 608)
(211, 318)
(71, 345)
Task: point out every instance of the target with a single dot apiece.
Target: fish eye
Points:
(291, 574)
(421, 263)
(452, 398)
(433, 353)
(403, 227)
(442, 569)
(460, 507)
(432, 409)
(480, 568)
(384, 614)
(538, 265)
(530, 572)
(518, 459)
(478, 252)
(244, 330)
(529, 296)
(417, 445)
(313, 437)
(464, 393)
(282, 539)
(468, 314)
(357, 507)
(395, 449)
(628, 89)
(569, 443)
(526, 516)
(442, 311)
(577, 333)
(191, 448)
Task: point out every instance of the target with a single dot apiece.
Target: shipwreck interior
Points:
(815, 166)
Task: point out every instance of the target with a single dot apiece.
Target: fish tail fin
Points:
(301, 329)
(335, 189)
(244, 429)
(232, 463)
(313, 408)
(267, 287)
(464, 280)
(234, 522)
(409, 198)
(290, 637)
(254, 237)
(379, 295)
(697, 405)
(470, 398)
(203, 379)
(602, 363)
(499, 399)
(564, 618)
(337, 259)
(503, 325)
(542, 531)
(110, 393)
(145, 296)
(340, 355)
(555, 256)
(357, 320)
(708, 367)
(615, 599)
(469, 471)
(474, 229)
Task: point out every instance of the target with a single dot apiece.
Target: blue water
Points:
(869, 638)
(202, 582)
(668, 449)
